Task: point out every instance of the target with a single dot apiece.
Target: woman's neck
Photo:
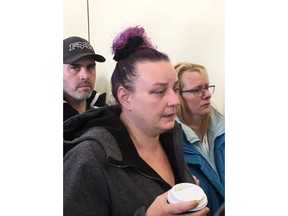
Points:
(141, 138)
(150, 149)
(196, 124)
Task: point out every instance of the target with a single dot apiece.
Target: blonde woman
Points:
(203, 130)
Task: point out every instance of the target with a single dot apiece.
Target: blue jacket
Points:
(212, 178)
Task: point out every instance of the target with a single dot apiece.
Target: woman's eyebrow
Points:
(160, 84)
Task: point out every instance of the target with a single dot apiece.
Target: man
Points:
(79, 76)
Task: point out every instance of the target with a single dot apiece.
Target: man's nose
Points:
(84, 73)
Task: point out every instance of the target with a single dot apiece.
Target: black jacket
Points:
(94, 101)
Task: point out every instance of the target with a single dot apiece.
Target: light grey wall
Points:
(187, 30)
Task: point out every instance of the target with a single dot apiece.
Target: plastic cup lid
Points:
(184, 192)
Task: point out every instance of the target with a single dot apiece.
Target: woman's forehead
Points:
(193, 76)
(157, 71)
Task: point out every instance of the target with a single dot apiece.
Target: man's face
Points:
(79, 78)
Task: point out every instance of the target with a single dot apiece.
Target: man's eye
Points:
(74, 68)
(197, 91)
(91, 67)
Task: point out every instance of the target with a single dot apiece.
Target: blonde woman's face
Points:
(195, 105)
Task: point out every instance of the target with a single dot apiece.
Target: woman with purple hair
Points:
(123, 159)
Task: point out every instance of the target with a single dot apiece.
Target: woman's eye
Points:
(160, 92)
(176, 89)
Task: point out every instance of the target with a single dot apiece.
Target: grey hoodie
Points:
(103, 173)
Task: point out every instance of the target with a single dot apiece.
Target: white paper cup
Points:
(184, 192)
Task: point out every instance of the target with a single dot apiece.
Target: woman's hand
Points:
(196, 180)
(160, 207)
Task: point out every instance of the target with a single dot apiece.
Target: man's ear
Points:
(124, 96)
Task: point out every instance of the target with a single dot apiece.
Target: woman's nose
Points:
(174, 99)
(206, 94)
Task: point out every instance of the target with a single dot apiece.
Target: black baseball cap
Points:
(75, 48)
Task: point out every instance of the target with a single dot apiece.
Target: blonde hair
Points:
(181, 68)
